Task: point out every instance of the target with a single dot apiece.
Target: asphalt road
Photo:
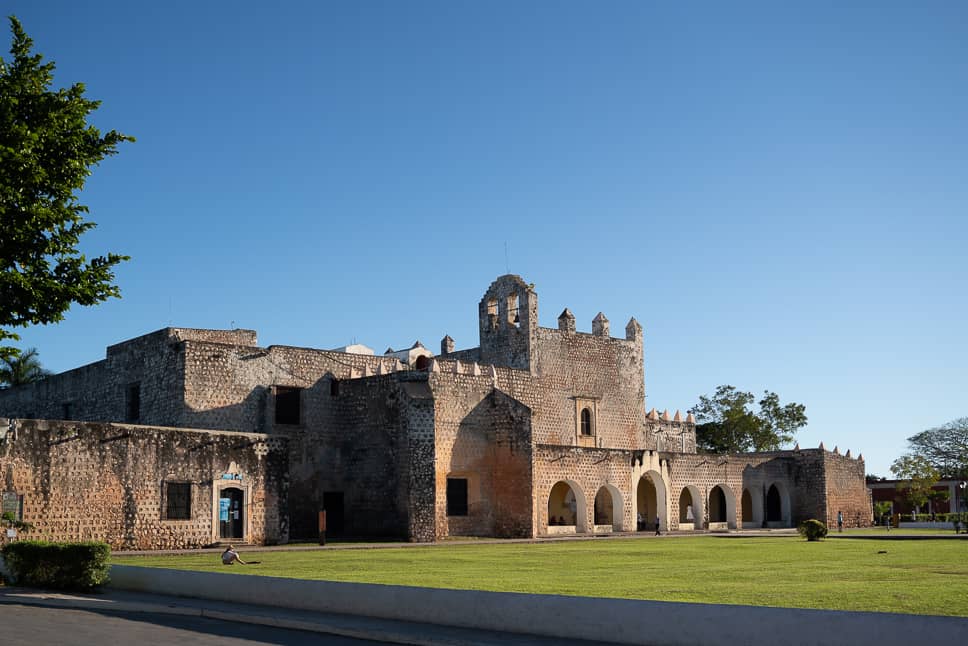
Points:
(36, 625)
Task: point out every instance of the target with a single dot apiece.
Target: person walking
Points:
(840, 521)
(657, 532)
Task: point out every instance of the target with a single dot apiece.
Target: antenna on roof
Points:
(507, 264)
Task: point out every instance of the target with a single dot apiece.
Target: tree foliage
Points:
(725, 422)
(945, 447)
(47, 151)
(25, 368)
(918, 476)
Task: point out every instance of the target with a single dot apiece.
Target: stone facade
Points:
(535, 431)
(81, 481)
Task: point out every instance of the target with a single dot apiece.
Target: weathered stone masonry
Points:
(534, 431)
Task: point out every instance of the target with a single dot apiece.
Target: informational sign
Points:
(11, 532)
(11, 504)
(223, 509)
(231, 476)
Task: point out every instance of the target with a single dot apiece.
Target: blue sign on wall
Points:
(223, 509)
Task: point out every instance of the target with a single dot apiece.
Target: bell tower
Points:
(509, 323)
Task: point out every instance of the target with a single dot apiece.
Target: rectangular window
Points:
(133, 403)
(456, 496)
(334, 388)
(287, 405)
(13, 504)
(178, 500)
(68, 411)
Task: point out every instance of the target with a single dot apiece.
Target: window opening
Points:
(68, 411)
(334, 388)
(492, 314)
(586, 422)
(514, 317)
(178, 497)
(456, 496)
(287, 405)
(133, 402)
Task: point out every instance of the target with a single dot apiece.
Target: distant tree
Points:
(47, 150)
(725, 422)
(24, 368)
(881, 509)
(917, 475)
(945, 447)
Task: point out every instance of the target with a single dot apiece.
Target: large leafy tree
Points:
(917, 476)
(726, 423)
(25, 368)
(944, 447)
(47, 151)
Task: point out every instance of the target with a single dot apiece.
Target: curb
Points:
(379, 630)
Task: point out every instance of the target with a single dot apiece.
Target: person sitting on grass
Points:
(230, 556)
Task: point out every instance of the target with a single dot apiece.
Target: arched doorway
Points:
(603, 507)
(566, 506)
(774, 507)
(717, 505)
(690, 508)
(747, 505)
(650, 502)
(777, 506)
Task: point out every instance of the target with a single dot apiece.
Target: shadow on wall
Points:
(492, 453)
(765, 501)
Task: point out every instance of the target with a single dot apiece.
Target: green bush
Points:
(812, 530)
(63, 566)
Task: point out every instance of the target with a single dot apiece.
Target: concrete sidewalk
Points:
(394, 632)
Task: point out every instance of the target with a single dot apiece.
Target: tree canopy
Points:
(918, 477)
(944, 447)
(726, 423)
(47, 151)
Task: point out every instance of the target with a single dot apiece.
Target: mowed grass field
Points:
(908, 576)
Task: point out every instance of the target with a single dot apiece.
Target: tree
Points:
(726, 424)
(945, 447)
(47, 150)
(881, 509)
(22, 369)
(918, 477)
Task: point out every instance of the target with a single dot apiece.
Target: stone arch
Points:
(746, 503)
(777, 505)
(650, 500)
(567, 501)
(724, 509)
(609, 507)
(690, 498)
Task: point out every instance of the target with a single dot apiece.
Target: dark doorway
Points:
(333, 504)
(774, 509)
(231, 514)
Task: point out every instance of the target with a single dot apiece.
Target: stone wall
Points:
(96, 481)
(846, 491)
(483, 436)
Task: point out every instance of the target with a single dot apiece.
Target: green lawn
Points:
(914, 576)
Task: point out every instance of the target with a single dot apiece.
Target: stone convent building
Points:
(187, 437)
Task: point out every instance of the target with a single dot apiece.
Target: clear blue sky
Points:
(778, 193)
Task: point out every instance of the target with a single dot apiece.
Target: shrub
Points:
(64, 566)
(812, 530)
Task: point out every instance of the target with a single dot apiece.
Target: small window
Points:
(492, 314)
(288, 405)
(456, 496)
(334, 388)
(133, 403)
(178, 500)
(586, 422)
(67, 412)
